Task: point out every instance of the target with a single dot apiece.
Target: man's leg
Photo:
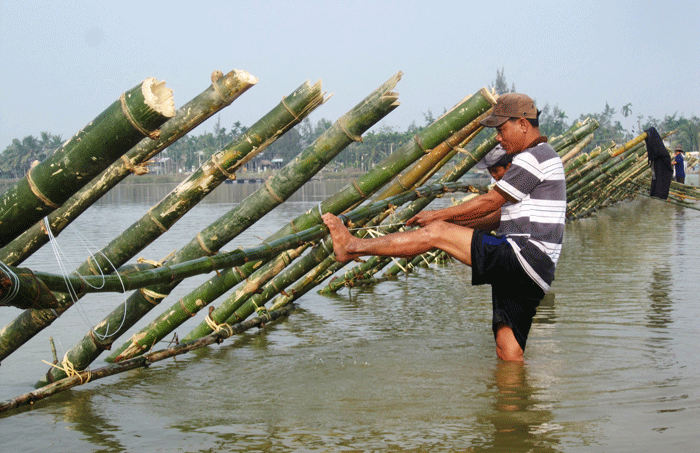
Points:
(507, 347)
(453, 239)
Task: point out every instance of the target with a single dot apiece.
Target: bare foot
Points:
(341, 238)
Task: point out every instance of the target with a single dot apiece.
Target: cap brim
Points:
(493, 121)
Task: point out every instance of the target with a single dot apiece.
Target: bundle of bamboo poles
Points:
(266, 280)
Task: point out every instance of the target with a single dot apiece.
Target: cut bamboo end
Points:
(158, 97)
(490, 96)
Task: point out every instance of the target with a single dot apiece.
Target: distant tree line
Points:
(189, 152)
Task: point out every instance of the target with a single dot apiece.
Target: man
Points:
(679, 165)
(520, 263)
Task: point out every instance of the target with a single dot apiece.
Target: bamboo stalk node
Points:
(152, 296)
(202, 245)
(35, 190)
(158, 97)
(217, 164)
(216, 75)
(351, 136)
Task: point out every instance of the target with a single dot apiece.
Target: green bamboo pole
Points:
(458, 117)
(417, 175)
(121, 282)
(375, 264)
(287, 114)
(575, 135)
(221, 93)
(576, 149)
(246, 304)
(138, 113)
(599, 193)
(21, 289)
(594, 183)
(276, 189)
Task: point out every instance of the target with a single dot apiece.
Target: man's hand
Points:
(423, 218)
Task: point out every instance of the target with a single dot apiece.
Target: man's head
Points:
(516, 120)
(497, 162)
(679, 149)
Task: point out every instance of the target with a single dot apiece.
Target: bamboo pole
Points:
(138, 113)
(276, 189)
(396, 220)
(238, 308)
(458, 117)
(287, 114)
(574, 150)
(221, 93)
(144, 361)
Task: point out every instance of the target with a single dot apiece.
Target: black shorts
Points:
(514, 294)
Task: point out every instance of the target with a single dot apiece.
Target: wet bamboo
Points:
(144, 361)
(222, 313)
(576, 149)
(141, 302)
(288, 113)
(594, 182)
(279, 187)
(121, 282)
(600, 191)
(246, 305)
(329, 267)
(588, 181)
(21, 289)
(221, 93)
(138, 113)
(361, 188)
(397, 219)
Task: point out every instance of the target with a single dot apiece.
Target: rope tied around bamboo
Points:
(69, 369)
(224, 328)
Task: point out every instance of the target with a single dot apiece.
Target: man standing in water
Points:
(527, 205)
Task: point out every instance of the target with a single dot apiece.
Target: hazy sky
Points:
(63, 63)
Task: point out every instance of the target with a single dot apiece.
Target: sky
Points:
(63, 63)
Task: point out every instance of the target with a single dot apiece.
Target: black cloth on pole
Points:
(660, 163)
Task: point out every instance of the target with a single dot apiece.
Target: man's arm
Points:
(487, 223)
(469, 211)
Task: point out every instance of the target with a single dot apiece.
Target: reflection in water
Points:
(521, 422)
(659, 315)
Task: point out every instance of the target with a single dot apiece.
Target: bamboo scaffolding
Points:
(329, 267)
(244, 303)
(274, 192)
(397, 219)
(206, 243)
(221, 93)
(363, 187)
(138, 113)
(287, 114)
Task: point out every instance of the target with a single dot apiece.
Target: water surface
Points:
(407, 365)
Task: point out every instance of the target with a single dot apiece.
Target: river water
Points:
(407, 365)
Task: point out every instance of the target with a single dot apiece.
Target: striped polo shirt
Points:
(533, 222)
